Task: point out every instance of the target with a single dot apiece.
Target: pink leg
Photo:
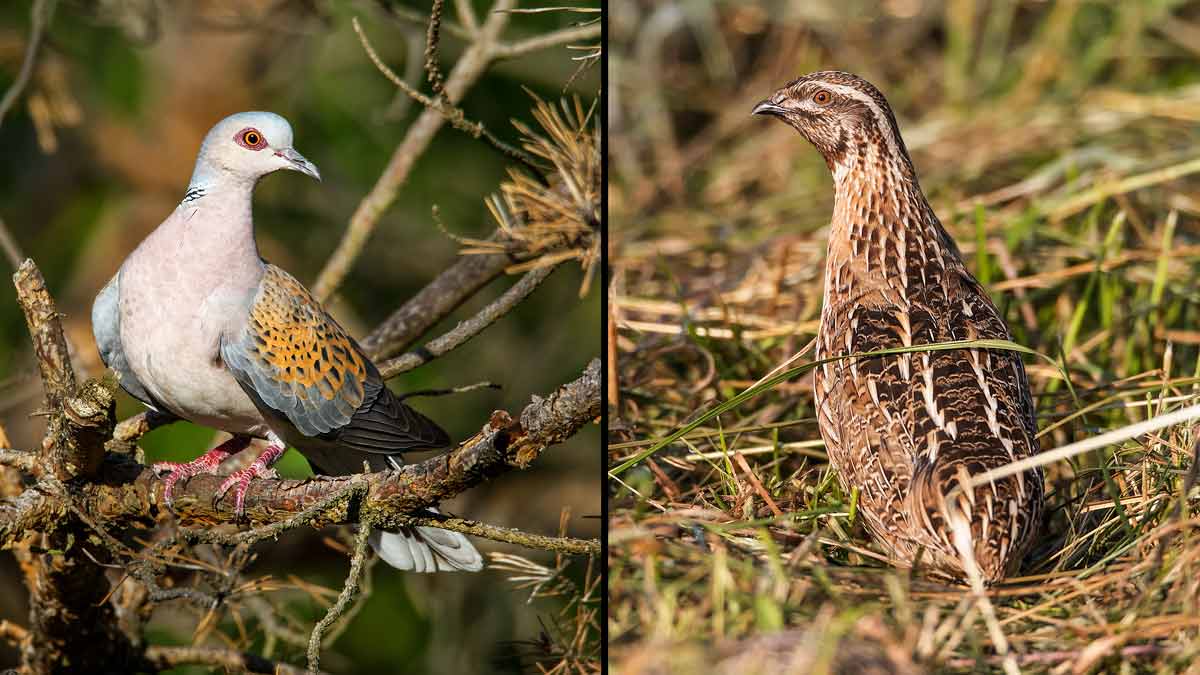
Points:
(261, 467)
(206, 463)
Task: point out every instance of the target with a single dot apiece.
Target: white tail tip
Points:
(427, 549)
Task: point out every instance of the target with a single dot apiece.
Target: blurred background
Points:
(98, 151)
(1058, 143)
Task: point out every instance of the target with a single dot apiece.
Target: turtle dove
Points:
(197, 324)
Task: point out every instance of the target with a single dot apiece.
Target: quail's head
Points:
(839, 113)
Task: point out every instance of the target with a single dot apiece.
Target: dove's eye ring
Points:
(822, 97)
(251, 139)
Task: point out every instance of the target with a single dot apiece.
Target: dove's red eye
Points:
(822, 97)
(251, 139)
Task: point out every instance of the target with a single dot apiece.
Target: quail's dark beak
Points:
(768, 108)
(297, 162)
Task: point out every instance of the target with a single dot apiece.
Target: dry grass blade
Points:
(560, 220)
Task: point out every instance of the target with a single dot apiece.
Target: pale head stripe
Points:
(881, 117)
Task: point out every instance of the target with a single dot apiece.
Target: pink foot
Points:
(260, 468)
(206, 463)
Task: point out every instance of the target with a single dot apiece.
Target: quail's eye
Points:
(822, 97)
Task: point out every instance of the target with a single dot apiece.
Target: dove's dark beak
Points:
(297, 162)
(768, 108)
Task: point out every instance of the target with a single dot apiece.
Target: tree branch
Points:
(159, 657)
(12, 633)
(538, 42)
(466, 14)
(39, 16)
(129, 492)
(25, 462)
(353, 491)
(469, 68)
(470, 273)
(349, 590)
(80, 418)
(511, 535)
(12, 250)
(49, 344)
(70, 624)
(468, 329)
(416, 18)
(454, 115)
(454, 286)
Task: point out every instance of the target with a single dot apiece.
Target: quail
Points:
(909, 430)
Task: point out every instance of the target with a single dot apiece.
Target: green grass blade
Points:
(770, 383)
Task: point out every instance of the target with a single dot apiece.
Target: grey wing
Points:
(106, 327)
(296, 362)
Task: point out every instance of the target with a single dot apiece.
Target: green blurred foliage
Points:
(132, 88)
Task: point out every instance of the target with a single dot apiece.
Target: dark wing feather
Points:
(387, 426)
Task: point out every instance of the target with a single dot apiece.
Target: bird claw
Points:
(177, 471)
(239, 481)
(206, 463)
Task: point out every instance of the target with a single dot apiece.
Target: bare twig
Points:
(266, 615)
(468, 329)
(12, 633)
(434, 302)
(12, 250)
(559, 37)
(466, 14)
(80, 418)
(349, 590)
(354, 490)
(387, 72)
(454, 115)
(39, 16)
(25, 462)
(131, 429)
(511, 535)
(467, 70)
(412, 16)
(347, 618)
(414, 45)
(161, 657)
(446, 392)
(433, 71)
(49, 344)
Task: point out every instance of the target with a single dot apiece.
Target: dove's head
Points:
(248, 146)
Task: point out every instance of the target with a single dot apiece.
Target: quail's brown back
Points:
(907, 429)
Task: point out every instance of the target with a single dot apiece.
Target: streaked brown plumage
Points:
(907, 429)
